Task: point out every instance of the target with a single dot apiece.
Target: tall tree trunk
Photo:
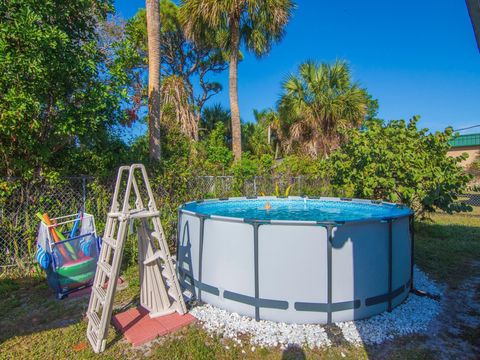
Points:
(198, 116)
(153, 33)
(234, 108)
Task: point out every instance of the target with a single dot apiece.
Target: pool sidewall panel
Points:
(188, 251)
(290, 270)
(359, 267)
(401, 261)
(228, 263)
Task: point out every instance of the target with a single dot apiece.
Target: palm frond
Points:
(318, 103)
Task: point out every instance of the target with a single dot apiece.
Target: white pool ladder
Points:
(160, 292)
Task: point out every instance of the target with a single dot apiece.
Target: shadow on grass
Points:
(293, 352)
(28, 305)
(445, 249)
(472, 199)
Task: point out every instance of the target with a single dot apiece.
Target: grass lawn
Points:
(35, 325)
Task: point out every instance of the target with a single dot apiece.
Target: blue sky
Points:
(415, 57)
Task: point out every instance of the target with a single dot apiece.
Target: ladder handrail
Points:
(121, 169)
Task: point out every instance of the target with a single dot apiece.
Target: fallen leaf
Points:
(80, 346)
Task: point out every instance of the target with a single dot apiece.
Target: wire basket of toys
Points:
(67, 249)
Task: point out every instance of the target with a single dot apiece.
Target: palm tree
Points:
(270, 120)
(153, 33)
(257, 24)
(176, 106)
(317, 103)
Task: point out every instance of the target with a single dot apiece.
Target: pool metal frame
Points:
(328, 307)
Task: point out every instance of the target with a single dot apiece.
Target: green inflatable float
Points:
(76, 272)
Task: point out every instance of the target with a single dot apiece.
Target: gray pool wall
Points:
(296, 271)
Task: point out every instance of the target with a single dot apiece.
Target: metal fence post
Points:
(84, 193)
(255, 185)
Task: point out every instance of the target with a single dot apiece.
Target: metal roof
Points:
(466, 140)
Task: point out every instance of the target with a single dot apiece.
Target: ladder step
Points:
(93, 317)
(100, 293)
(92, 336)
(110, 242)
(171, 292)
(107, 268)
(166, 274)
(144, 214)
(156, 235)
(157, 255)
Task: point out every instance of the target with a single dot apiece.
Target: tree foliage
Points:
(266, 136)
(54, 97)
(186, 65)
(257, 24)
(219, 156)
(399, 163)
(213, 114)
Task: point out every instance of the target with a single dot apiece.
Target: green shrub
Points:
(400, 163)
(219, 156)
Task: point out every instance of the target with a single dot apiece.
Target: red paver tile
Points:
(123, 319)
(138, 328)
(175, 321)
(144, 331)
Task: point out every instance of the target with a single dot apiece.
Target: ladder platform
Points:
(133, 214)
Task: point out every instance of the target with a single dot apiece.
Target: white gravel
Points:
(263, 333)
(413, 316)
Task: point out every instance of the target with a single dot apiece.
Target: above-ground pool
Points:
(296, 259)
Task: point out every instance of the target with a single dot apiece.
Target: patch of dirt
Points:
(454, 333)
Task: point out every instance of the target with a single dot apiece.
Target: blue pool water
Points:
(298, 209)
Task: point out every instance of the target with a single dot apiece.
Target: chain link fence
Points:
(224, 186)
(18, 223)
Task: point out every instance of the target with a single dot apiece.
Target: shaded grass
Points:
(446, 246)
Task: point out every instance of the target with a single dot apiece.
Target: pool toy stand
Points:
(160, 292)
(70, 264)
